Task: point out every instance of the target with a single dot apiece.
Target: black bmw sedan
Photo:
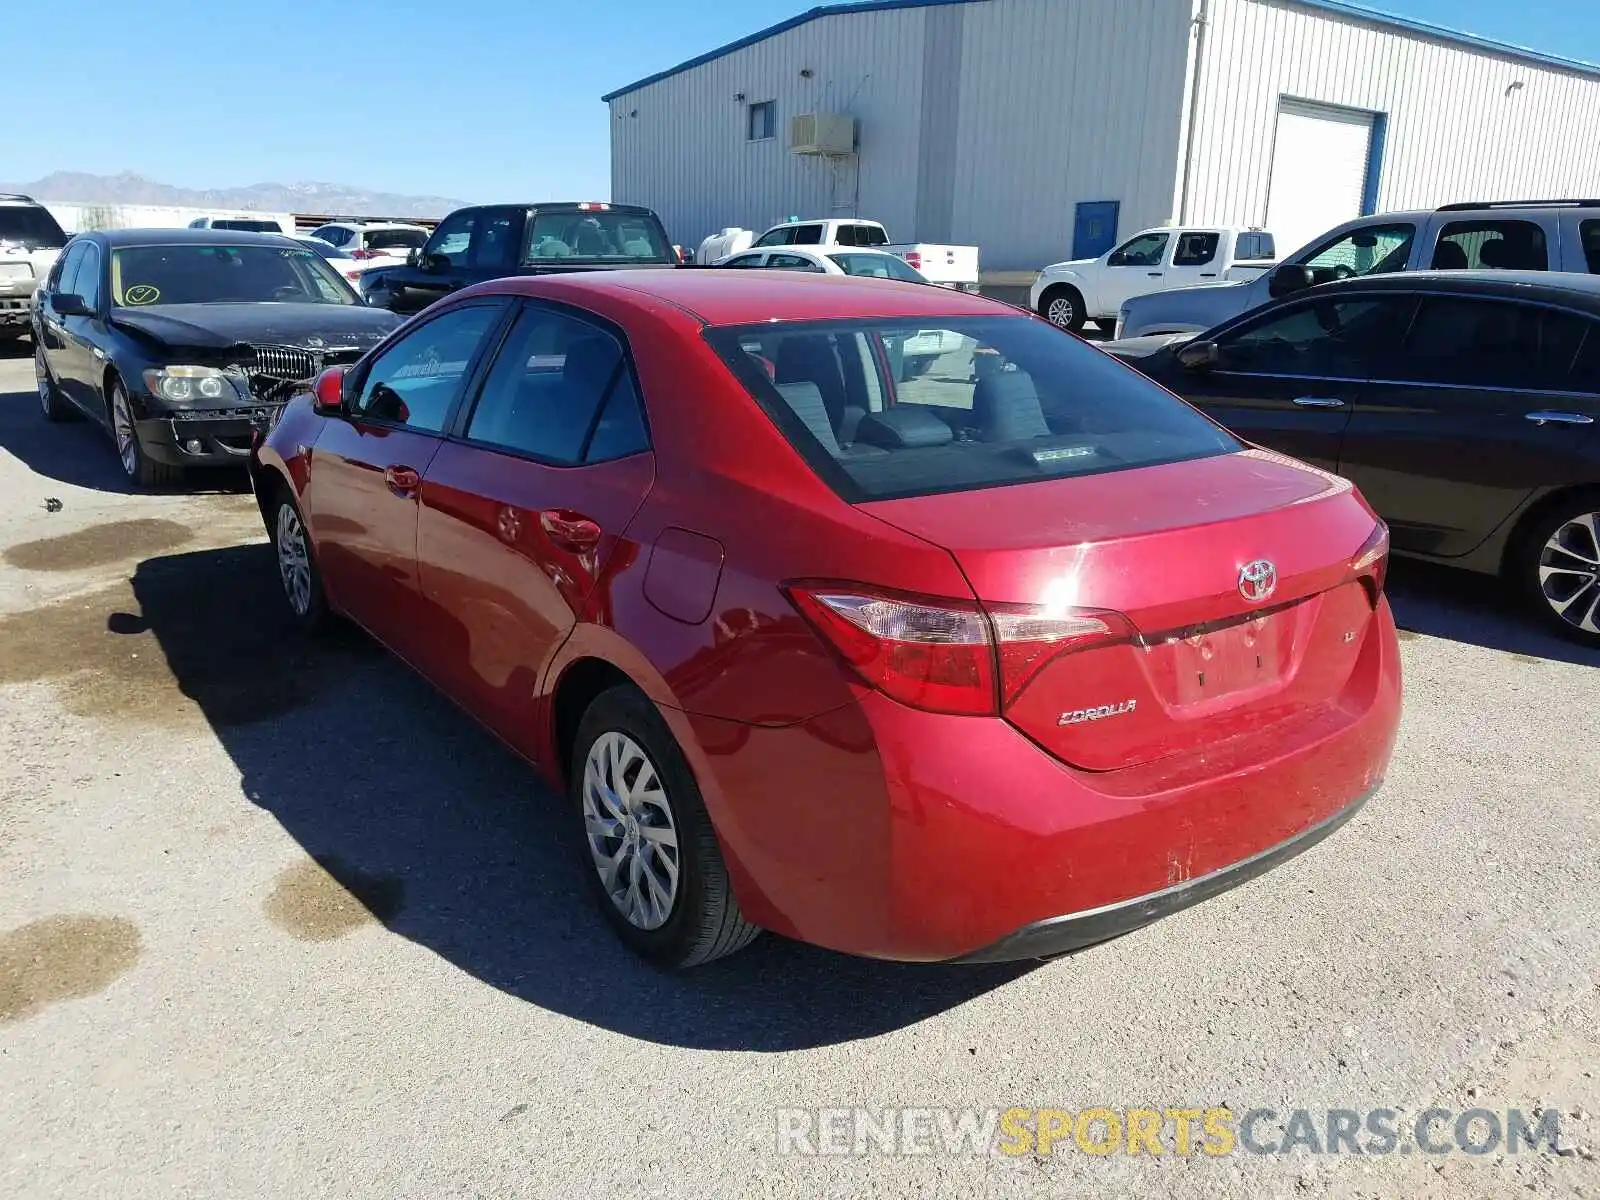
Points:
(181, 342)
(1464, 404)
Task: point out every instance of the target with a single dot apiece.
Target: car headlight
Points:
(184, 383)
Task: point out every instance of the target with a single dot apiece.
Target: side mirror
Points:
(67, 304)
(435, 263)
(1289, 279)
(328, 392)
(1198, 356)
(414, 257)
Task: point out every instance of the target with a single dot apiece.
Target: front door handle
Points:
(1559, 418)
(1318, 402)
(570, 530)
(402, 481)
(1154, 274)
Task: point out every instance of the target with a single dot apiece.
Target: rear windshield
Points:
(877, 266)
(394, 239)
(31, 227)
(883, 409)
(246, 225)
(596, 237)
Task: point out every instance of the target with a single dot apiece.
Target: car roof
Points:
(181, 237)
(1549, 285)
(720, 297)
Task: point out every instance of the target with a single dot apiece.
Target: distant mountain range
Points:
(128, 188)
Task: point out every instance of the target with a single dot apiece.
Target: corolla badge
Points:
(1079, 716)
(1258, 580)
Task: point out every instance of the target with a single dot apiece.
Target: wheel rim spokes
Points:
(122, 422)
(1569, 572)
(632, 835)
(294, 562)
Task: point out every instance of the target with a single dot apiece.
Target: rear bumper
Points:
(16, 313)
(1075, 931)
(891, 833)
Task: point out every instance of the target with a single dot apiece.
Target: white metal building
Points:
(1043, 129)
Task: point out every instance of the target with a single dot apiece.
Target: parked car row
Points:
(946, 266)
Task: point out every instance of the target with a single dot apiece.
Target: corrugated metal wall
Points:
(1455, 132)
(685, 153)
(1064, 101)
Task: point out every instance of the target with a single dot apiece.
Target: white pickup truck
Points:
(1155, 260)
(947, 266)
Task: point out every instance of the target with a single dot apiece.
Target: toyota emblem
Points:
(1258, 580)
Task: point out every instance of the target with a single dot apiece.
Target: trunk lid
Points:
(1166, 547)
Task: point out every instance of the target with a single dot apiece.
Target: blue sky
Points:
(476, 99)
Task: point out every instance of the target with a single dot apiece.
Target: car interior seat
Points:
(1450, 256)
(1006, 407)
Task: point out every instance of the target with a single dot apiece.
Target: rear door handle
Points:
(570, 530)
(1318, 402)
(402, 481)
(1559, 418)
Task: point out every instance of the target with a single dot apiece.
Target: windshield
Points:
(596, 237)
(878, 266)
(30, 226)
(883, 408)
(142, 275)
(246, 225)
(394, 239)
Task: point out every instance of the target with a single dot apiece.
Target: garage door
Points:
(1319, 172)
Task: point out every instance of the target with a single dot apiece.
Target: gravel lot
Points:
(276, 920)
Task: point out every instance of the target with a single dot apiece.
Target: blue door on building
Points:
(1094, 228)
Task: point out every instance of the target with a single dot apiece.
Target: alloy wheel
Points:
(1060, 311)
(294, 560)
(122, 426)
(632, 835)
(1569, 572)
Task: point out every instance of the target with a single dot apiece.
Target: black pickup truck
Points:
(492, 241)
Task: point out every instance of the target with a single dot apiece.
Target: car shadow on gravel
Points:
(451, 841)
(80, 453)
(1480, 610)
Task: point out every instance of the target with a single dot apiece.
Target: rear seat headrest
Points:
(1005, 407)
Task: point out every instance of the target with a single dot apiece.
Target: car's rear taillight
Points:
(913, 260)
(946, 656)
(1371, 562)
(365, 253)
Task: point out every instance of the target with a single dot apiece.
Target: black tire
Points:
(1555, 567)
(1067, 303)
(308, 608)
(141, 470)
(53, 407)
(702, 921)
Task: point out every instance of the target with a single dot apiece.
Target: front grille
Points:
(286, 362)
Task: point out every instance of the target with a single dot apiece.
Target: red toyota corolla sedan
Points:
(887, 618)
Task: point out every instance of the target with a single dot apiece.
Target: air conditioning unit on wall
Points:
(830, 134)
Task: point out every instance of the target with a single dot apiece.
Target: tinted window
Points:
(791, 262)
(1338, 338)
(1590, 232)
(245, 225)
(67, 268)
(781, 236)
(196, 274)
(415, 381)
(1370, 250)
(1491, 245)
(453, 237)
(745, 260)
(87, 280)
(494, 242)
(600, 236)
(1196, 249)
(559, 390)
(808, 235)
(1586, 370)
(1255, 246)
(884, 408)
(30, 225)
(393, 239)
(763, 121)
(877, 266)
(871, 235)
(1491, 343)
(1145, 250)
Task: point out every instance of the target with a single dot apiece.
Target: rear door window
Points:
(792, 262)
(1196, 249)
(30, 226)
(560, 391)
(1491, 344)
(808, 235)
(885, 408)
(1589, 233)
(1492, 246)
